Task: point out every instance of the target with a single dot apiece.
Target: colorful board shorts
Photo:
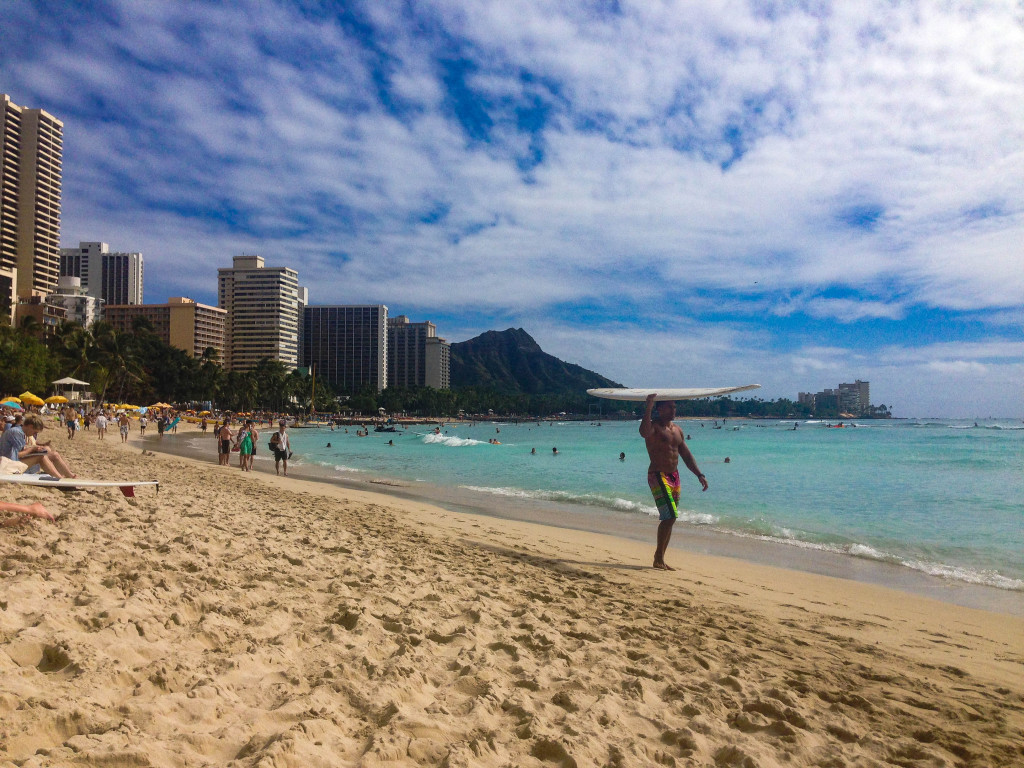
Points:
(665, 488)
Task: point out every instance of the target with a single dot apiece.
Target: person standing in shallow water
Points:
(665, 446)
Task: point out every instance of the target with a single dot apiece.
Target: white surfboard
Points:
(668, 394)
(68, 484)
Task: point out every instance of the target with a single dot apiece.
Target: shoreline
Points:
(687, 538)
(254, 620)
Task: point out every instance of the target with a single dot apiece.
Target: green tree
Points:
(116, 362)
(27, 363)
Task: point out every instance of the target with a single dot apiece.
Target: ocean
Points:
(937, 497)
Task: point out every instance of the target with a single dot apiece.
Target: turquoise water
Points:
(942, 497)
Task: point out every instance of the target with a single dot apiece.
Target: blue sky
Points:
(671, 194)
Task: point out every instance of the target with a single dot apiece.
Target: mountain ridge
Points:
(512, 362)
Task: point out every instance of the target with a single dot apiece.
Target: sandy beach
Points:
(249, 620)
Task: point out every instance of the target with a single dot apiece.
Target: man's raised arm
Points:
(645, 424)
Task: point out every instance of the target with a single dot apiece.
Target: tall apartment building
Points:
(31, 152)
(848, 398)
(262, 306)
(181, 322)
(417, 356)
(113, 278)
(347, 345)
(855, 398)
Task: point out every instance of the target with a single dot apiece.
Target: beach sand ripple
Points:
(237, 619)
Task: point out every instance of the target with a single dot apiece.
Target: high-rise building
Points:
(347, 345)
(855, 398)
(181, 322)
(31, 151)
(417, 356)
(262, 320)
(113, 278)
(439, 363)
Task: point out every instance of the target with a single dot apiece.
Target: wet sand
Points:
(687, 538)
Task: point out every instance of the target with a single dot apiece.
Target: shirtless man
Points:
(665, 445)
(224, 443)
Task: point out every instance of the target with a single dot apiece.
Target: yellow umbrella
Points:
(12, 398)
(56, 399)
(160, 405)
(28, 397)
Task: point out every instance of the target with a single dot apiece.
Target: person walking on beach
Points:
(665, 446)
(279, 444)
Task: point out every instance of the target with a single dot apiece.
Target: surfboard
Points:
(67, 484)
(668, 393)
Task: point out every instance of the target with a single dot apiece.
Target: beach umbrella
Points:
(28, 397)
(11, 404)
(160, 405)
(12, 399)
(56, 399)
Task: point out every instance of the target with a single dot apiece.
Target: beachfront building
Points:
(80, 307)
(347, 345)
(417, 356)
(262, 313)
(853, 399)
(181, 322)
(31, 153)
(113, 278)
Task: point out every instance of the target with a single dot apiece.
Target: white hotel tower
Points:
(262, 305)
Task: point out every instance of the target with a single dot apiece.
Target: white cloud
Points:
(195, 132)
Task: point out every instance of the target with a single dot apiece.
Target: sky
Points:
(673, 194)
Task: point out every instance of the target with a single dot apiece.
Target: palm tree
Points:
(75, 347)
(116, 359)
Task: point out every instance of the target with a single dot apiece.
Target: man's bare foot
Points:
(662, 566)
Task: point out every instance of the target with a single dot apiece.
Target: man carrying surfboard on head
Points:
(665, 446)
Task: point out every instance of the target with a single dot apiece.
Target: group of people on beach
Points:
(244, 443)
(21, 451)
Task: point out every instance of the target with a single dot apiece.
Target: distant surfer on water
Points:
(665, 445)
